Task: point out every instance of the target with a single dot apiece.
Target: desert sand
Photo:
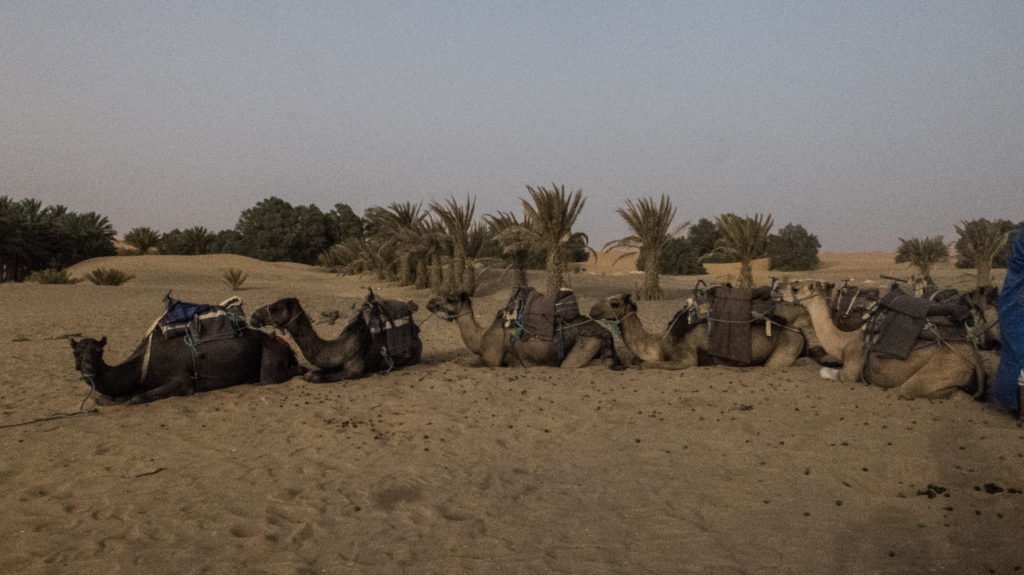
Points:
(449, 468)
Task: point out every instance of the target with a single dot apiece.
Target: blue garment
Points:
(1011, 329)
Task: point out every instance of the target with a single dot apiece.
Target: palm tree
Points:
(143, 239)
(650, 224)
(196, 240)
(980, 242)
(548, 219)
(393, 231)
(744, 238)
(457, 221)
(923, 254)
(516, 253)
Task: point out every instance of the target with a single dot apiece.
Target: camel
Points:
(935, 370)
(349, 356)
(161, 367)
(984, 302)
(573, 346)
(686, 345)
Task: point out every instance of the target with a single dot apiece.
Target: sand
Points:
(449, 468)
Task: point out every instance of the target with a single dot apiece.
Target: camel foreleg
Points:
(177, 387)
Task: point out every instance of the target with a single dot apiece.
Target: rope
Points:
(81, 409)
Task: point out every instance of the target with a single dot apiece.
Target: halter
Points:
(449, 317)
(286, 324)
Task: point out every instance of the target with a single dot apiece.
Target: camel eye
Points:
(614, 304)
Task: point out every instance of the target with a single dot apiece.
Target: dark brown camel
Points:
(161, 367)
(349, 356)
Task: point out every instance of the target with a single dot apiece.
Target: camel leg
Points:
(787, 349)
(277, 367)
(671, 365)
(585, 350)
(179, 387)
(352, 369)
(937, 380)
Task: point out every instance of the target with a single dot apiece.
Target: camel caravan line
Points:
(925, 346)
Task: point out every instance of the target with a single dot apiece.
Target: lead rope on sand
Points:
(81, 410)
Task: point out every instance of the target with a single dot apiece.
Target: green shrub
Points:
(53, 276)
(793, 249)
(234, 278)
(108, 277)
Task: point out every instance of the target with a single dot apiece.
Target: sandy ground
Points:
(447, 468)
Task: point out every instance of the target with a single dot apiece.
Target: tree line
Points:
(443, 245)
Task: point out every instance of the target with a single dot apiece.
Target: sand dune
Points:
(446, 468)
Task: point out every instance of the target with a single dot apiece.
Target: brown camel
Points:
(933, 370)
(161, 367)
(683, 345)
(573, 346)
(351, 355)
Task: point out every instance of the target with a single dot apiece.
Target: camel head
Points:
(88, 354)
(614, 307)
(800, 291)
(450, 306)
(278, 314)
(984, 303)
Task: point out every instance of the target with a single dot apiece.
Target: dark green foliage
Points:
(274, 230)
(226, 242)
(52, 276)
(143, 239)
(680, 258)
(34, 238)
(193, 241)
(108, 277)
(793, 249)
(702, 238)
(344, 224)
(963, 258)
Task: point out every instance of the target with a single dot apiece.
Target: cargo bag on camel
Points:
(395, 334)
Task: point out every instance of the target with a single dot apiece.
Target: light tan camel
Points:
(682, 345)
(935, 370)
(573, 346)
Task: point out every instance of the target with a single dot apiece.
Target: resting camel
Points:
(573, 346)
(934, 370)
(684, 345)
(161, 367)
(349, 356)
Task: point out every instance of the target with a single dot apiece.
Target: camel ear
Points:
(627, 298)
(464, 296)
(828, 286)
(102, 341)
(73, 341)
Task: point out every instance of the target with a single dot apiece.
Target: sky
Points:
(863, 122)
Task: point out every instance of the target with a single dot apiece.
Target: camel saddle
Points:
(201, 321)
(851, 305)
(392, 328)
(902, 321)
(732, 313)
(535, 315)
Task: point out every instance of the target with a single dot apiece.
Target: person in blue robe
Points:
(1006, 390)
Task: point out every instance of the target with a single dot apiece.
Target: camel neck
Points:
(471, 331)
(118, 380)
(325, 354)
(832, 338)
(643, 344)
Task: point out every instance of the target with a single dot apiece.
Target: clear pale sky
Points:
(862, 121)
